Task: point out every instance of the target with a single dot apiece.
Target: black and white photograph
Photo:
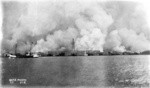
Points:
(74, 44)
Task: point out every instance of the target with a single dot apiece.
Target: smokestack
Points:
(15, 48)
(73, 44)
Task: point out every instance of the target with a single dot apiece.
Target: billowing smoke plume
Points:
(51, 25)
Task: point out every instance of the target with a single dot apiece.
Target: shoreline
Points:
(80, 56)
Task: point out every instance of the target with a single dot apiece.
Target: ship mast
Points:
(16, 48)
(29, 51)
(31, 46)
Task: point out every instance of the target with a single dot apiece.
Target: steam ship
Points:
(27, 55)
(23, 56)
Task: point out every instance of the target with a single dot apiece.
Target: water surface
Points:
(77, 71)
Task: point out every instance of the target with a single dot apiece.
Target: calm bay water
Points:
(78, 71)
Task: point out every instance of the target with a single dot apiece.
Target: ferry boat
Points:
(23, 56)
(27, 55)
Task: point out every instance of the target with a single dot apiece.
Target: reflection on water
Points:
(128, 71)
(78, 71)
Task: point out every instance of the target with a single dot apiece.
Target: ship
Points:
(27, 55)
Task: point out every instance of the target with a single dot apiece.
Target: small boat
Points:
(11, 56)
(35, 55)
